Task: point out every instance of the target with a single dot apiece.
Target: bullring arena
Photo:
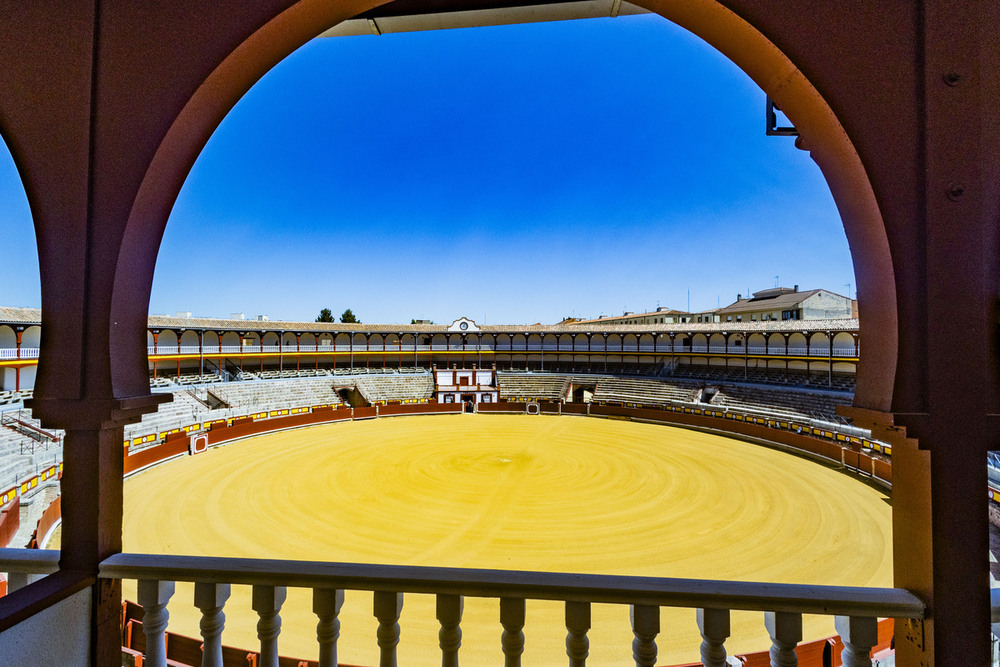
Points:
(549, 493)
(653, 457)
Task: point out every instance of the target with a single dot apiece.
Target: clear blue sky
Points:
(518, 174)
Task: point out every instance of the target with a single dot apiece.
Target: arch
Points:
(288, 338)
(167, 341)
(210, 92)
(8, 338)
(269, 338)
(32, 336)
(342, 339)
(230, 338)
(842, 342)
(819, 340)
(189, 337)
(210, 339)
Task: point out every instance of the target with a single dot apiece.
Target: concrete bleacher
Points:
(278, 394)
(532, 386)
(777, 401)
(642, 391)
(774, 376)
(386, 388)
(12, 398)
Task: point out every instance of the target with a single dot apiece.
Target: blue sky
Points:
(512, 174)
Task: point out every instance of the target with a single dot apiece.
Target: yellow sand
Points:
(560, 494)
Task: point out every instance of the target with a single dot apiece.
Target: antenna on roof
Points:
(848, 286)
(776, 281)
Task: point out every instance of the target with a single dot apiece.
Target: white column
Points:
(387, 607)
(267, 601)
(860, 634)
(210, 599)
(326, 605)
(645, 627)
(153, 597)
(577, 625)
(449, 614)
(714, 627)
(512, 620)
(785, 629)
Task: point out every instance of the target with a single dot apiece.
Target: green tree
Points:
(325, 315)
(349, 318)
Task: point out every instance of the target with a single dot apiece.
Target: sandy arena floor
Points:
(514, 492)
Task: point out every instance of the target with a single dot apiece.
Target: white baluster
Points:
(785, 629)
(714, 627)
(17, 580)
(210, 599)
(326, 605)
(449, 614)
(577, 625)
(512, 620)
(153, 597)
(645, 627)
(860, 634)
(267, 601)
(387, 607)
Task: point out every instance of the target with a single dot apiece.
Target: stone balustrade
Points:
(856, 610)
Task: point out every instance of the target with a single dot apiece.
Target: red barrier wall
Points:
(50, 516)
(418, 409)
(883, 470)
(502, 406)
(156, 454)
(245, 427)
(10, 521)
(790, 438)
(365, 413)
(574, 409)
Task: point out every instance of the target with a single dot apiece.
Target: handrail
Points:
(613, 589)
(29, 561)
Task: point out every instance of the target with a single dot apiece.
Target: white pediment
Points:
(463, 324)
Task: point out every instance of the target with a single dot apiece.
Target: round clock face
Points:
(463, 326)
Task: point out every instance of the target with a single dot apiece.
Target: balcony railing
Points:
(856, 610)
(14, 353)
(580, 348)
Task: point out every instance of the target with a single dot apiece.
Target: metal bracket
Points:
(772, 129)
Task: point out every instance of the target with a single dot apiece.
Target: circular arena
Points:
(542, 493)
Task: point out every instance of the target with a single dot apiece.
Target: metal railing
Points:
(856, 610)
(16, 353)
(580, 348)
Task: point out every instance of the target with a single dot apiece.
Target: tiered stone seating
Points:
(10, 398)
(185, 409)
(790, 378)
(776, 401)
(642, 391)
(388, 388)
(532, 386)
(207, 378)
(278, 394)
